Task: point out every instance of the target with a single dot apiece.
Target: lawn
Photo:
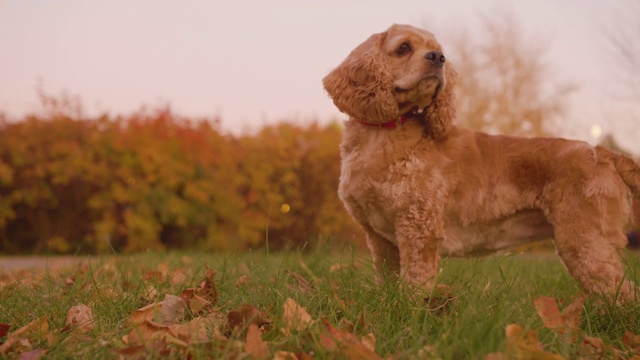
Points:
(316, 304)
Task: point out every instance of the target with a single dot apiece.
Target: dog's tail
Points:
(628, 169)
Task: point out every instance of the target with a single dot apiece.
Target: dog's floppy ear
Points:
(362, 86)
(442, 112)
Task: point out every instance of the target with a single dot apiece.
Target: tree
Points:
(504, 85)
(624, 47)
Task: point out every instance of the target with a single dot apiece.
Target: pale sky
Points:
(255, 62)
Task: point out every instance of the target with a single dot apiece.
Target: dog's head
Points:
(401, 71)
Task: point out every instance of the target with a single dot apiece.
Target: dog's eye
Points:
(403, 49)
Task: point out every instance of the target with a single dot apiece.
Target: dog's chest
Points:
(374, 193)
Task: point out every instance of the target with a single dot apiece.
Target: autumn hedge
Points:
(154, 180)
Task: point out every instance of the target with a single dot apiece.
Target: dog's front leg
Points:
(419, 232)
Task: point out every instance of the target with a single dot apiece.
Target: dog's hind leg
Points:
(590, 246)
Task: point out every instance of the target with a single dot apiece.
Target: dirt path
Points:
(14, 263)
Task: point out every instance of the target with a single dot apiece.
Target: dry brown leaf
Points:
(80, 317)
(195, 331)
(242, 281)
(303, 285)
(146, 333)
(4, 330)
(295, 317)
(369, 341)
(34, 354)
(496, 356)
(254, 345)
(336, 267)
(208, 286)
(288, 355)
(178, 277)
(285, 355)
(345, 343)
(525, 345)
(240, 318)
(563, 322)
(163, 268)
(631, 340)
(144, 314)
(37, 329)
(172, 310)
(595, 348)
(152, 276)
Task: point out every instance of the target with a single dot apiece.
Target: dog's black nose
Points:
(435, 58)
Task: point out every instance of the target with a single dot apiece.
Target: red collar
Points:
(387, 125)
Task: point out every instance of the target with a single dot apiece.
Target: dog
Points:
(421, 187)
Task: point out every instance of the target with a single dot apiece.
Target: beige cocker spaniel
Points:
(421, 187)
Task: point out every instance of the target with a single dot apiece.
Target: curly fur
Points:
(428, 187)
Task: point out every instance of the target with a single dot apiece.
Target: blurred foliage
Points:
(153, 181)
(505, 85)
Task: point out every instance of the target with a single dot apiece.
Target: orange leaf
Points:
(254, 344)
(631, 340)
(346, 343)
(563, 322)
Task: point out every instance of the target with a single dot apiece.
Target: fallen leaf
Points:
(303, 285)
(163, 268)
(496, 356)
(631, 340)
(197, 304)
(565, 322)
(172, 310)
(144, 314)
(193, 331)
(595, 348)
(37, 329)
(369, 341)
(152, 276)
(254, 345)
(208, 286)
(80, 317)
(285, 355)
(288, 355)
(34, 354)
(525, 345)
(146, 333)
(345, 343)
(240, 318)
(295, 317)
(178, 277)
(242, 281)
(4, 330)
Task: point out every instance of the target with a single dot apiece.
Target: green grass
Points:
(488, 294)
